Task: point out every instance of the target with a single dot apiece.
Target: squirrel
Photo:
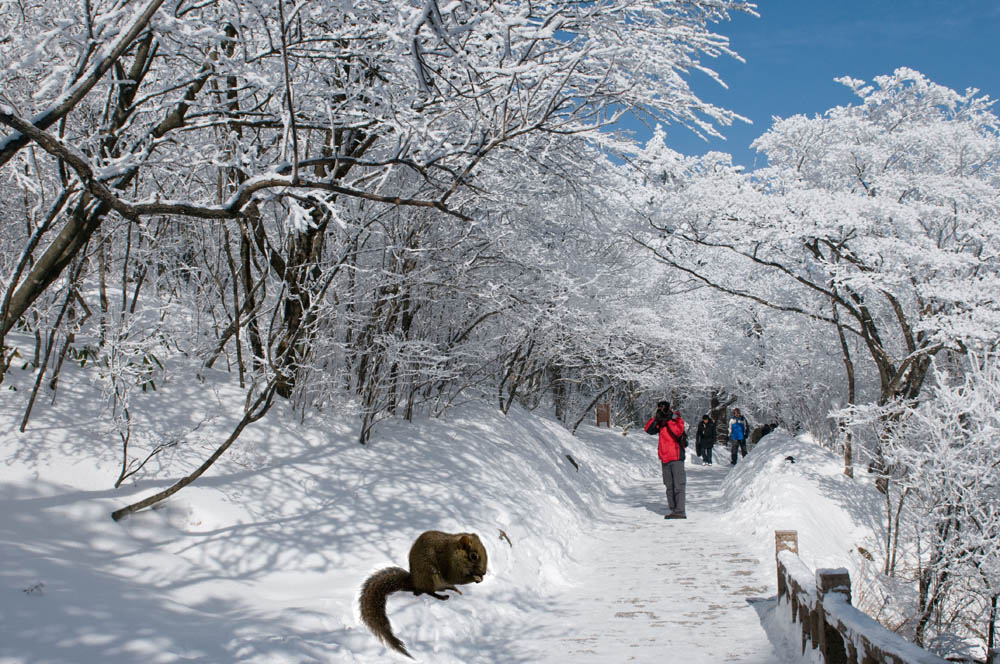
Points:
(438, 561)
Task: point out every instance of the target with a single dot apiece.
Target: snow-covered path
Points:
(656, 590)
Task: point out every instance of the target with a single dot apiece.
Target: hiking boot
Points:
(675, 515)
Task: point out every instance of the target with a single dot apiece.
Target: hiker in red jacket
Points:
(670, 428)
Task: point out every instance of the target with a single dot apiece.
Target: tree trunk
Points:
(849, 368)
(991, 626)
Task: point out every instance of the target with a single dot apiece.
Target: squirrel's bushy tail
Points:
(374, 593)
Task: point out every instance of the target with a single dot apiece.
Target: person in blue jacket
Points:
(739, 431)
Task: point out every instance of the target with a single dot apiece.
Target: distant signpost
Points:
(603, 413)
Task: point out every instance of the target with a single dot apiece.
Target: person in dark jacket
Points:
(739, 431)
(705, 438)
(669, 426)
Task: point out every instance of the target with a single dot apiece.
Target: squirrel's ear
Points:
(465, 541)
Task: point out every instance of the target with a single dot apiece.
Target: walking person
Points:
(705, 438)
(739, 429)
(669, 426)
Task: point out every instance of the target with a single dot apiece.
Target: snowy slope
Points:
(261, 559)
(833, 514)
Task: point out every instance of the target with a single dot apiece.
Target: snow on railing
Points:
(821, 603)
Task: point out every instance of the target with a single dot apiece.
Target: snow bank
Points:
(789, 483)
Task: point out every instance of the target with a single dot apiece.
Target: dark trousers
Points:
(706, 452)
(737, 445)
(675, 480)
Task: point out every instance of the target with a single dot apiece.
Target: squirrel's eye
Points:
(473, 556)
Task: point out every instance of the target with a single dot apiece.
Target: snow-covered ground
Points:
(261, 559)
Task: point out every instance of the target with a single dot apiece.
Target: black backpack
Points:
(682, 442)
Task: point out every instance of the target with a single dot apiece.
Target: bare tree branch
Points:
(11, 144)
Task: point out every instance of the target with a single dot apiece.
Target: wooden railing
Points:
(821, 604)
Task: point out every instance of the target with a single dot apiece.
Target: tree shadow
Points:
(261, 558)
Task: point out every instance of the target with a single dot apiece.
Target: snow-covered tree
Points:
(289, 129)
(877, 219)
(944, 455)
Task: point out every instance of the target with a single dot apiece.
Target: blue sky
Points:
(796, 48)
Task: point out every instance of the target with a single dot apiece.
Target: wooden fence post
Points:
(784, 540)
(831, 643)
